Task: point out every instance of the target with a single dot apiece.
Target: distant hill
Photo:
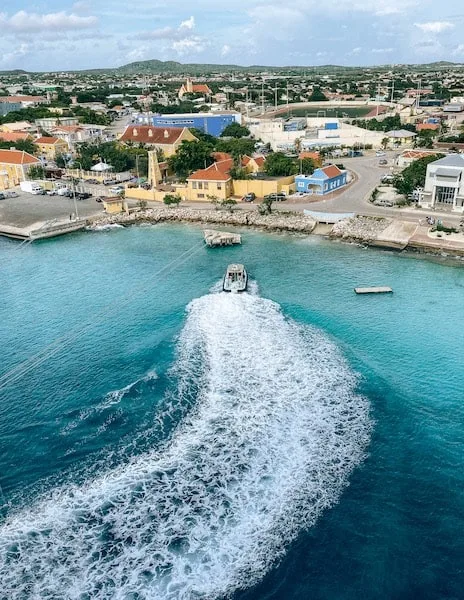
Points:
(153, 67)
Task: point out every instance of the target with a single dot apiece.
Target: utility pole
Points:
(378, 100)
(262, 96)
(275, 95)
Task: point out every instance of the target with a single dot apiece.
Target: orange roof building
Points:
(194, 88)
(323, 181)
(14, 167)
(50, 146)
(167, 139)
(14, 136)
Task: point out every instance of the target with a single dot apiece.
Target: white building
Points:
(444, 183)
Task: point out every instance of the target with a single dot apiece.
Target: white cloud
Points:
(32, 22)
(382, 50)
(435, 26)
(188, 24)
(189, 44)
(168, 33)
(225, 50)
(458, 51)
(10, 57)
(356, 50)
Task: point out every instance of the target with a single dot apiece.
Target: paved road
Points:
(27, 209)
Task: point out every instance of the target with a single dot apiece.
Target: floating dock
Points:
(215, 238)
(373, 290)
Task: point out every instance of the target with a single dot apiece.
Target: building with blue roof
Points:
(212, 123)
(322, 181)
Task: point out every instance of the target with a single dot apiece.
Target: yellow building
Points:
(167, 139)
(14, 167)
(50, 147)
(115, 205)
(214, 181)
(253, 164)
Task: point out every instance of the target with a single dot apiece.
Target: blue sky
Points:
(79, 34)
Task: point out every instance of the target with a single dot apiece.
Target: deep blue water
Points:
(91, 436)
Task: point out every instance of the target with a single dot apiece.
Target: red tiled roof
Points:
(22, 99)
(417, 153)
(221, 156)
(427, 126)
(218, 171)
(46, 140)
(200, 88)
(146, 134)
(68, 128)
(259, 160)
(14, 136)
(313, 155)
(331, 171)
(16, 157)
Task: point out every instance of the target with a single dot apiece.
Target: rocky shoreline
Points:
(278, 221)
(365, 230)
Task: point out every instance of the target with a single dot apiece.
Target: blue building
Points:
(7, 107)
(212, 123)
(322, 181)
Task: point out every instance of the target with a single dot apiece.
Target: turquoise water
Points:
(295, 442)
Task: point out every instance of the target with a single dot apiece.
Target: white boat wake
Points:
(275, 431)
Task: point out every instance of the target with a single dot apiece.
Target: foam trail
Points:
(275, 430)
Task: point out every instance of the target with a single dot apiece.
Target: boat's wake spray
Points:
(275, 431)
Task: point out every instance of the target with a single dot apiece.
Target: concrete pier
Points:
(215, 238)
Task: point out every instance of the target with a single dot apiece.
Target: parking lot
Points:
(27, 209)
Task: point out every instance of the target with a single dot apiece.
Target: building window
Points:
(200, 195)
(219, 186)
(444, 195)
(200, 185)
(206, 185)
(194, 185)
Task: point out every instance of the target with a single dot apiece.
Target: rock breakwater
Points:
(278, 221)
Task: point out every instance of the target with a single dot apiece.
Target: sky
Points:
(50, 35)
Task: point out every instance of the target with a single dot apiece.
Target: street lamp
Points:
(74, 196)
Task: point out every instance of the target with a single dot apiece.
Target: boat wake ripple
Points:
(269, 443)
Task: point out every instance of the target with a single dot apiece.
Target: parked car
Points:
(383, 161)
(116, 190)
(51, 192)
(92, 181)
(388, 203)
(110, 181)
(280, 196)
(98, 199)
(83, 195)
(380, 153)
(2, 196)
(250, 197)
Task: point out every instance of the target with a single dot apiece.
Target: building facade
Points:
(444, 184)
(167, 139)
(7, 107)
(51, 147)
(323, 181)
(14, 167)
(211, 123)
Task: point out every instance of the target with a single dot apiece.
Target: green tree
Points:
(172, 199)
(384, 142)
(36, 172)
(236, 147)
(22, 145)
(317, 95)
(307, 166)
(265, 208)
(229, 204)
(235, 130)
(238, 173)
(279, 165)
(190, 156)
(414, 175)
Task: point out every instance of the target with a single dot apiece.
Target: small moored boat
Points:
(235, 279)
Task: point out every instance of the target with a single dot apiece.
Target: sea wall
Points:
(280, 221)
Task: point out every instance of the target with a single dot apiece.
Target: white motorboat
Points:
(235, 279)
